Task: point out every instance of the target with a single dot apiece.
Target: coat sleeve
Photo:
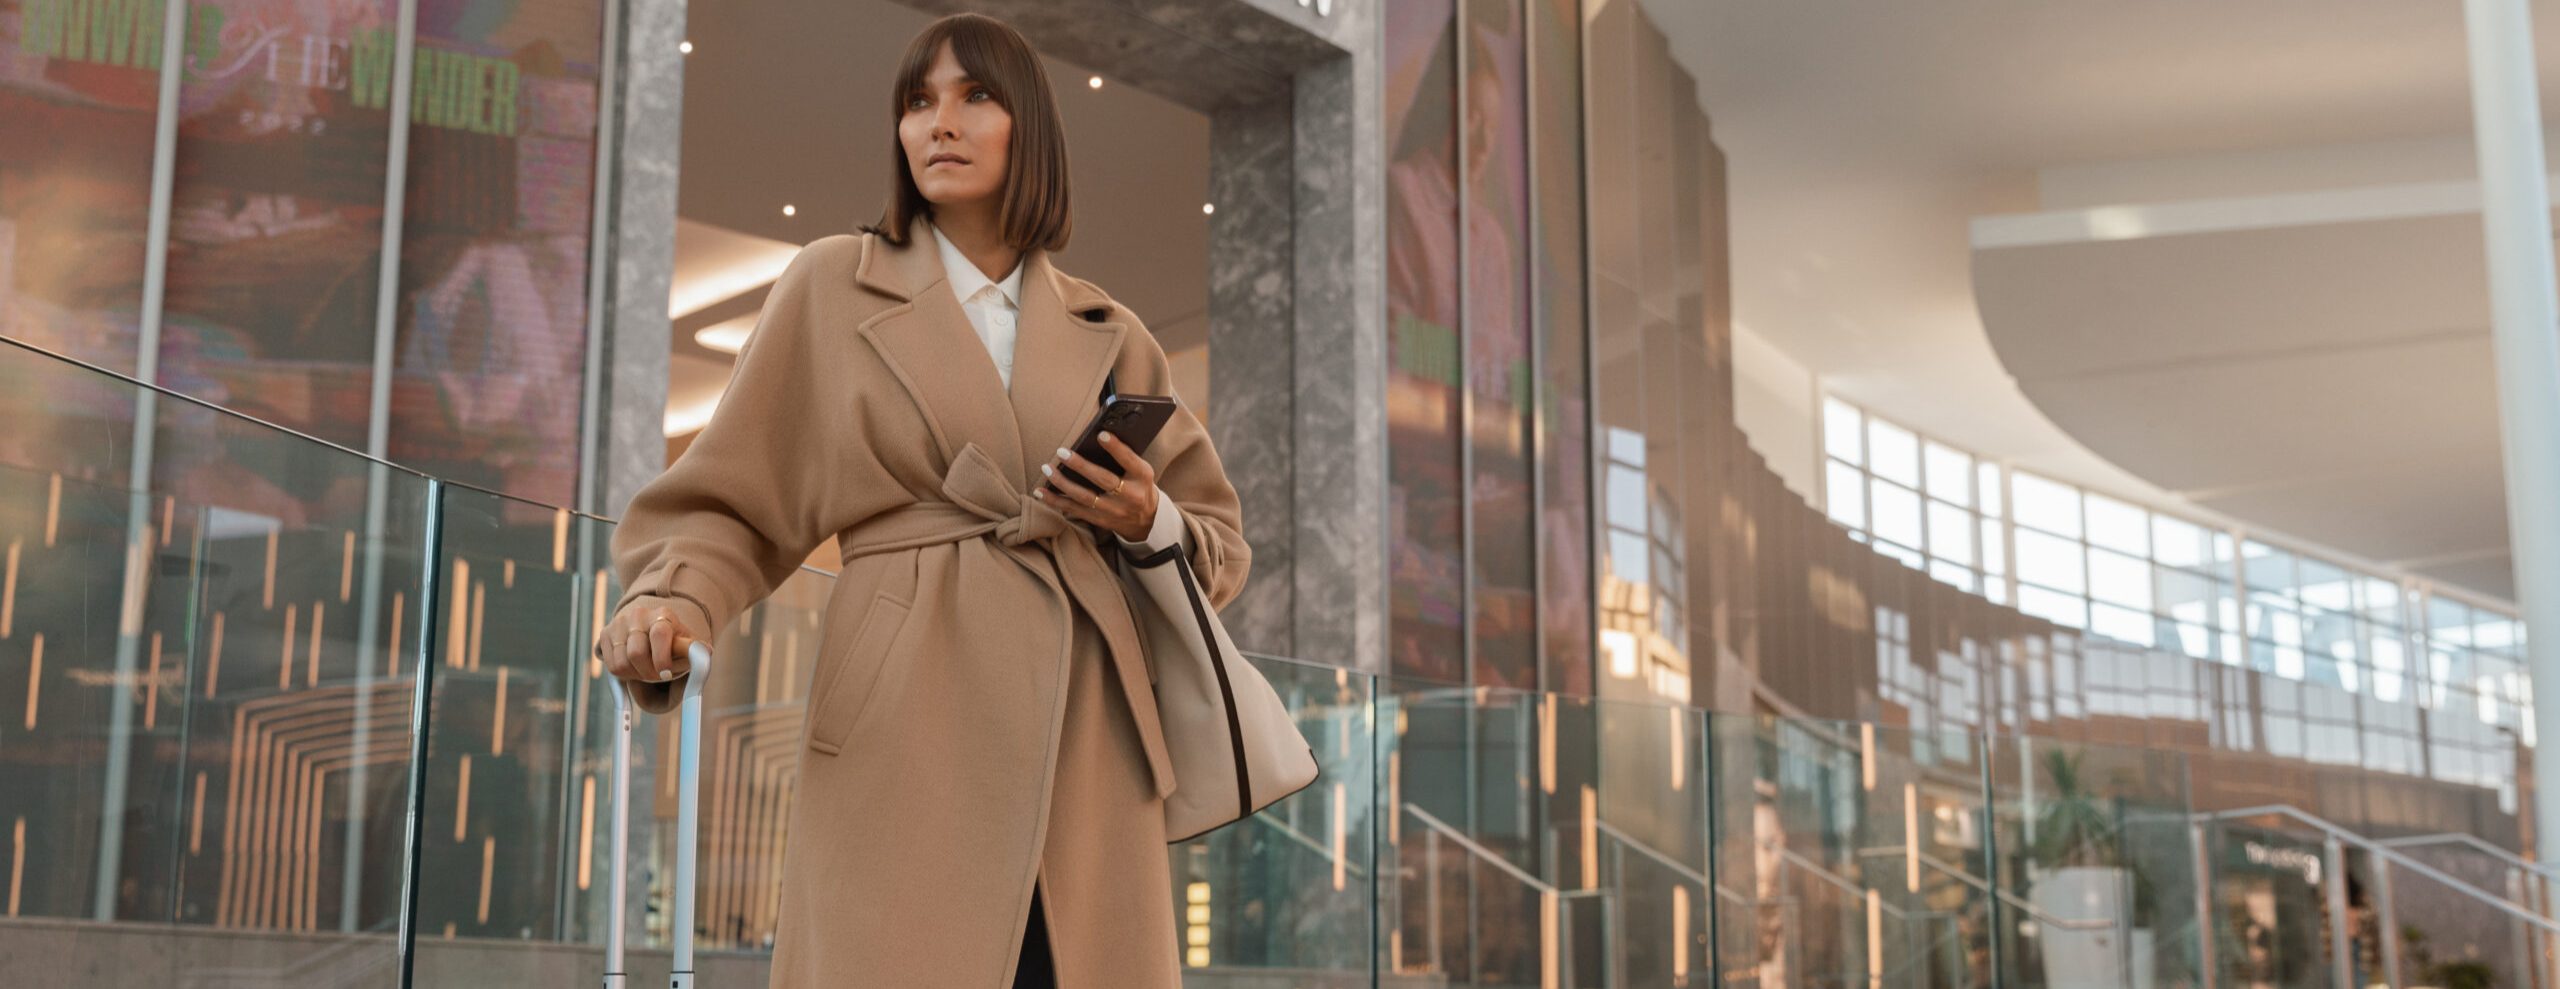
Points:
(745, 504)
(1188, 471)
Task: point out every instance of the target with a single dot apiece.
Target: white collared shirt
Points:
(993, 307)
(994, 310)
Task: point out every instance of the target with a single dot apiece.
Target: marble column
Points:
(651, 107)
(1252, 277)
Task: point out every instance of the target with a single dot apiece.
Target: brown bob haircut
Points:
(1036, 211)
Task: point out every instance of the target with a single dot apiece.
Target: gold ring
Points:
(653, 623)
(1124, 482)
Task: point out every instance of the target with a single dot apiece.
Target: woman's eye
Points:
(975, 93)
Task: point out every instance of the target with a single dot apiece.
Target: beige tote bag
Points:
(1235, 747)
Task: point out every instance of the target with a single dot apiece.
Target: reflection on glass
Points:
(490, 345)
(1950, 473)
(1497, 347)
(78, 99)
(1564, 525)
(1426, 604)
(1846, 491)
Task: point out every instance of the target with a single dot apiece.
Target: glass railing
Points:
(216, 638)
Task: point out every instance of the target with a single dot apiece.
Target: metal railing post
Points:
(2209, 974)
(2387, 915)
(1431, 895)
(2334, 884)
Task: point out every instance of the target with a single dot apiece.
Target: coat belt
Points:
(983, 504)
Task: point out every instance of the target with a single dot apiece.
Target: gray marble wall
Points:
(1339, 415)
(1252, 308)
(636, 339)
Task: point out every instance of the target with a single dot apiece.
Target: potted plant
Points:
(2080, 876)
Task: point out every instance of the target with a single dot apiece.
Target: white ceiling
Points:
(1862, 139)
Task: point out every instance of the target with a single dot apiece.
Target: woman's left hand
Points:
(1124, 504)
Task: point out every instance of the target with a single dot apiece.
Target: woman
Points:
(980, 803)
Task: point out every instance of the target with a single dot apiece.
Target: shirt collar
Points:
(965, 277)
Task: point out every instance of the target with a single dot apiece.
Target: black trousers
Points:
(1034, 970)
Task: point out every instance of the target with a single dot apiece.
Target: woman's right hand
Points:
(647, 644)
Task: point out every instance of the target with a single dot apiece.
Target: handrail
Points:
(1301, 838)
(1795, 858)
(2475, 843)
(2387, 853)
(1653, 853)
(1482, 852)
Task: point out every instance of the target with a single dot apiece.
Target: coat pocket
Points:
(845, 683)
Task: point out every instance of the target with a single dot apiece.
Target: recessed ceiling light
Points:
(790, 210)
(1095, 82)
(726, 337)
(1208, 207)
(685, 47)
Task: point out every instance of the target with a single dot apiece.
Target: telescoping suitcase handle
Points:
(688, 824)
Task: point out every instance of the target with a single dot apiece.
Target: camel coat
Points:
(980, 714)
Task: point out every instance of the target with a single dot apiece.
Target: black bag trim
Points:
(1218, 662)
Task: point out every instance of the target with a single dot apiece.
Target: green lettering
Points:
(75, 30)
(147, 15)
(118, 15)
(40, 27)
(468, 95)
(369, 69)
(204, 33)
(502, 98)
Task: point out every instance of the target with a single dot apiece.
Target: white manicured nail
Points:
(1045, 471)
(666, 674)
(1106, 436)
(1042, 494)
(1065, 454)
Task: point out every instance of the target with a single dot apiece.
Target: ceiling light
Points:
(726, 336)
(1095, 82)
(685, 47)
(1208, 207)
(790, 210)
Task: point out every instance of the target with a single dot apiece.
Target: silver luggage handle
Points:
(688, 824)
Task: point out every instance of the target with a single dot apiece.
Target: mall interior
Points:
(1906, 496)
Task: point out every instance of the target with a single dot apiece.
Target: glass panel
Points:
(1496, 140)
(513, 677)
(1843, 431)
(1952, 573)
(2119, 526)
(2123, 624)
(2050, 561)
(1950, 473)
(490, 361)
(1426, 602)
(1565, 551)
(2046, 505)
(2061, 609)
(1987, 484)
(2179, 543)
(1897, 512)
(1851, 854)
(2118, 579)
(2270, 907)
(2270, 571)
(1910, 557)
(2094, 858)
(1468, 828)
(78, 99)
(1950, 533)
(1995, 554)
(1846, 490)
(1893, 453)
(216, 668)
(1292, 887)
(275, 233)
(2325, 585)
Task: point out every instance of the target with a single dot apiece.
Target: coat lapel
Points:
(929, 345)
(1059, 360)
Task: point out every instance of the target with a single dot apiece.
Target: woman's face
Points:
(955, 135)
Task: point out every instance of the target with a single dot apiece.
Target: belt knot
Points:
(974, 483)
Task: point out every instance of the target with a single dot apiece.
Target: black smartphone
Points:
(1135, 419)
